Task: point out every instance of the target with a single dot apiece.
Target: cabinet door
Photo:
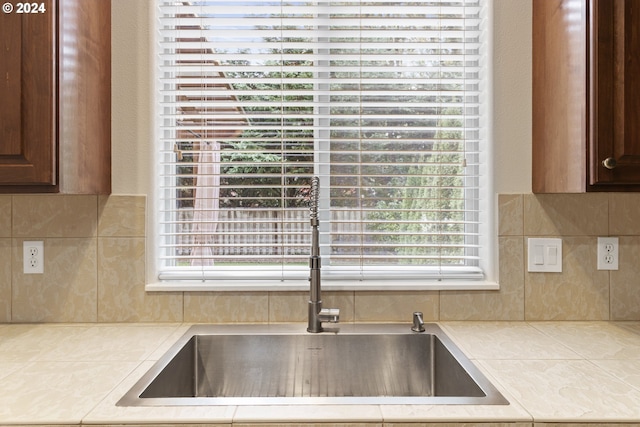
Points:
(28, 99)
(615, 92)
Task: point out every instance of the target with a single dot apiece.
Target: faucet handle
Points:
(331, 315)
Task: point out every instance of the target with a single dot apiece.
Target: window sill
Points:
(332, 285)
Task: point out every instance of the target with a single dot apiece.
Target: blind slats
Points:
(379, 98)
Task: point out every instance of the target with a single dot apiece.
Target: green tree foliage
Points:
(269, 165)
(432, 212)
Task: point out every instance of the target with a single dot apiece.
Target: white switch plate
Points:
(545, 255)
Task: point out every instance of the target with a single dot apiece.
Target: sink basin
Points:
(366, 364)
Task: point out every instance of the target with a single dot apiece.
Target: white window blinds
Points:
(380, 99)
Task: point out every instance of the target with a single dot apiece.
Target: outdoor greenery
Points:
(404, 176)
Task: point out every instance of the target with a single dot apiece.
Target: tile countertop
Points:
(549, 371)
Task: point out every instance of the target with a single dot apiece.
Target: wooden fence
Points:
(262, 232)
(248, 232)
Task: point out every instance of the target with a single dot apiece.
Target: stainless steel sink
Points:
(360, 364)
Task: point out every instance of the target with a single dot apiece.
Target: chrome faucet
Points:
(317, 314)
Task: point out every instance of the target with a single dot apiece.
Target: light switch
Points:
(538, 255)
(545, 255)
(552, 255)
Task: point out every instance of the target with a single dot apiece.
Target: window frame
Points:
(235, 282)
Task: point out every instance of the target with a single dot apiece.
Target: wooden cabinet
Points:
(55, 98)
(586, 95)
(28, 99)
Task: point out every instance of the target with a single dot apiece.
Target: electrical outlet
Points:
(608, 253)
(33, 257)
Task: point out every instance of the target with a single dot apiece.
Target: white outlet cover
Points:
(545, 255)
(33, 256)
(608, 247)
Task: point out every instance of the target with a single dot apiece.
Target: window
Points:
(382, 100)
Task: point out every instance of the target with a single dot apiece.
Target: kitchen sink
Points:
(359, 364)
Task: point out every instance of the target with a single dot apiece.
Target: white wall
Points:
(133, 88)
(512, 95)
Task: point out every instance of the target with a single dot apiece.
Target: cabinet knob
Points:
(609, 163)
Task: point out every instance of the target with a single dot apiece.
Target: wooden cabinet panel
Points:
(85, 97)
(615, 102)
(559, 95)
(586, 95)
(55, 114)
(28, 94)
